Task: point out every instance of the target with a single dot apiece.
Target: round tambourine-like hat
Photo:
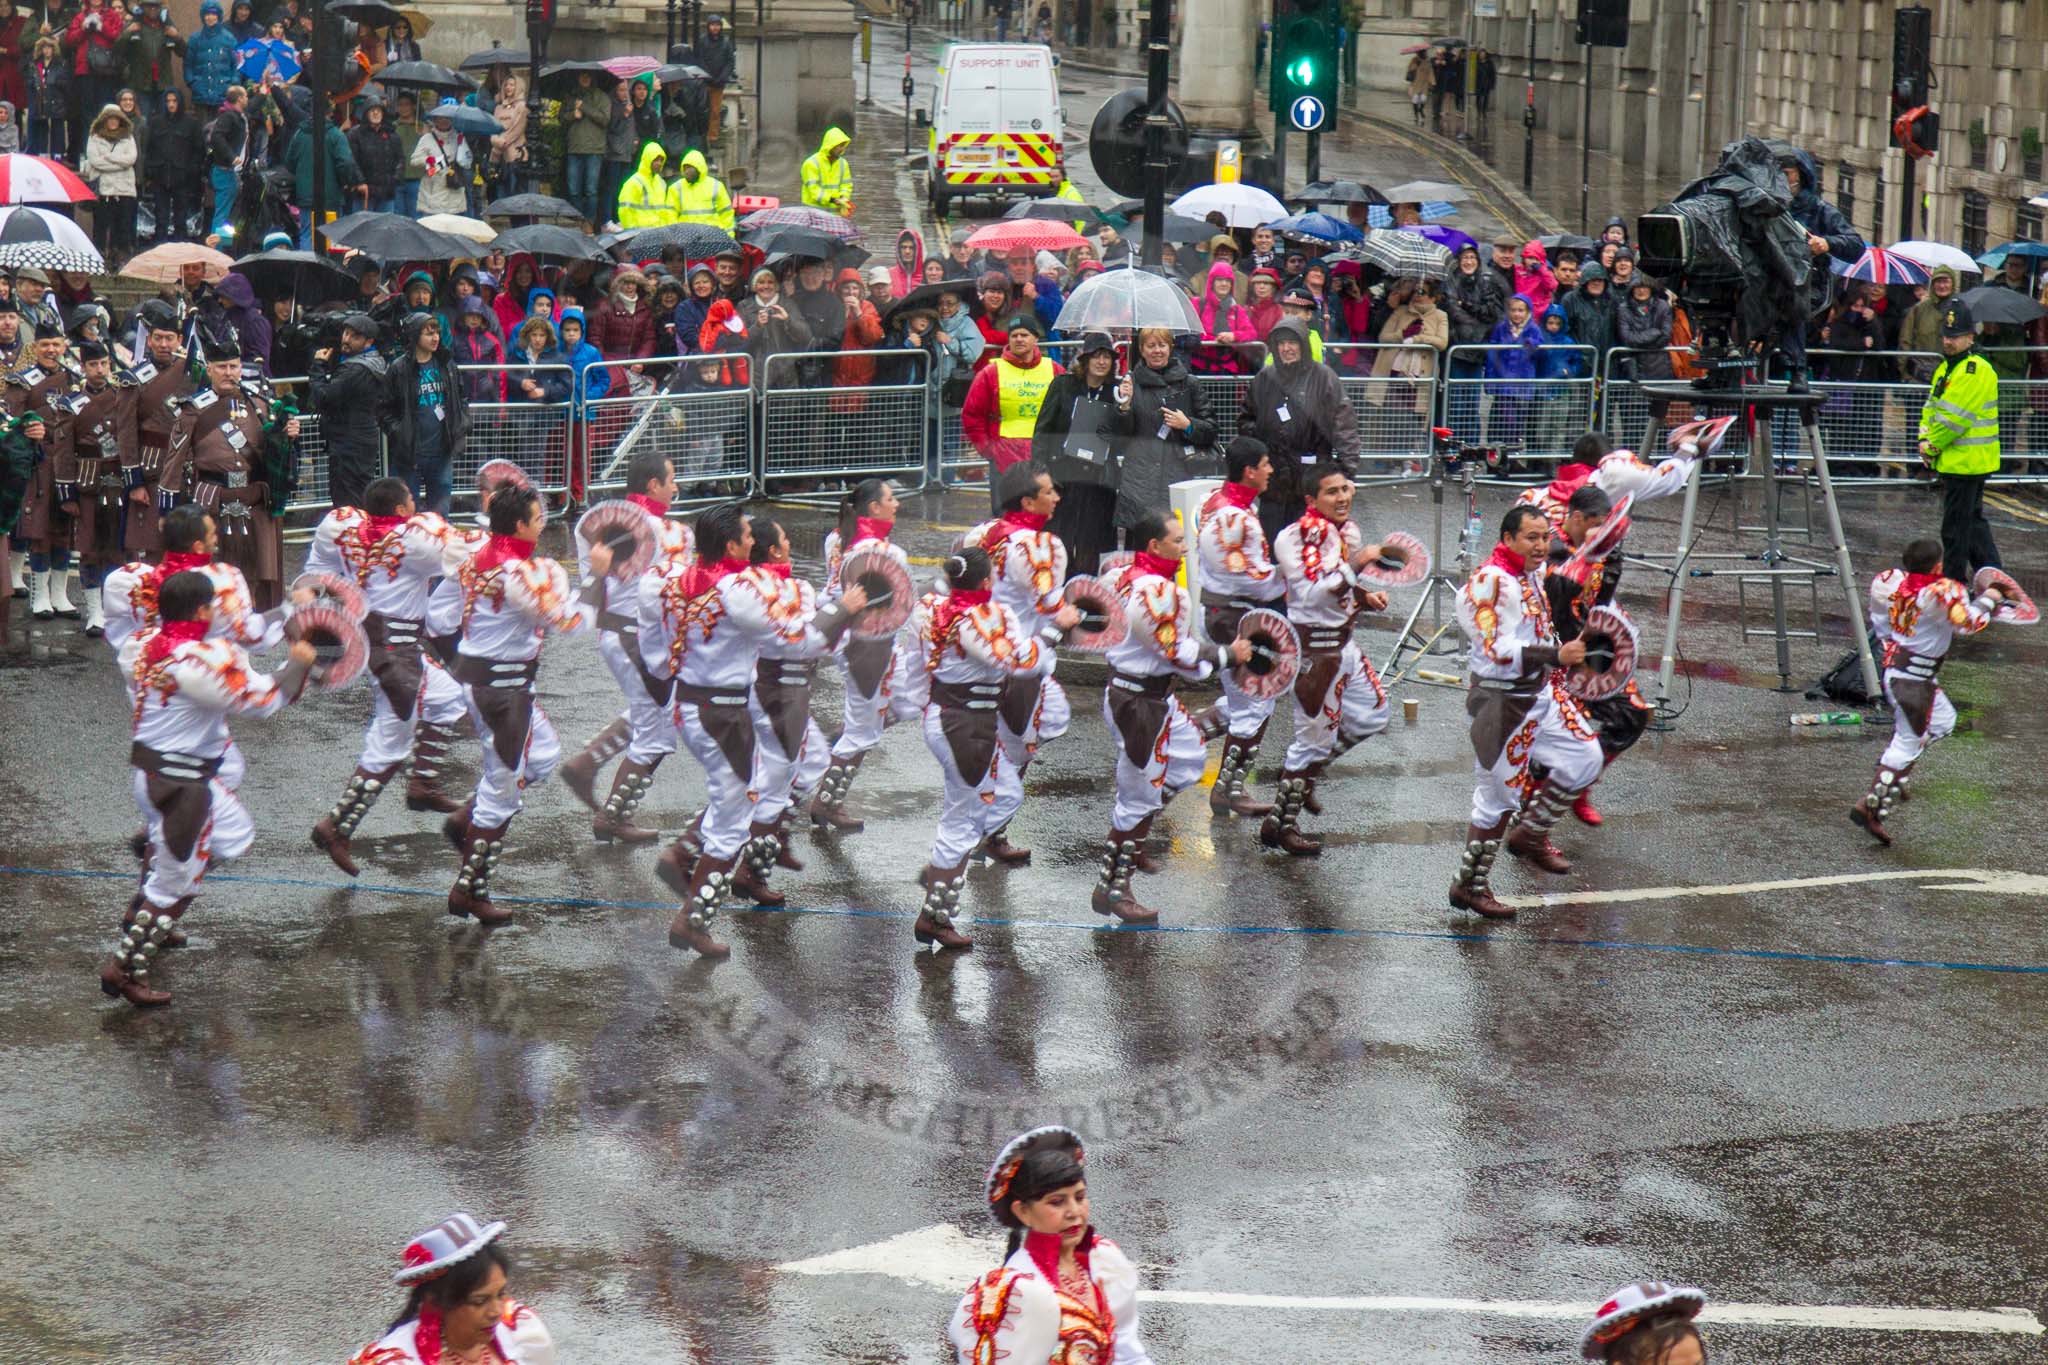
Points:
(1610, 656)
(495, 472)
(1630, 1306)
(2017, 609)
(449, 1242)
(338, 639)
(1102, 625)
(330, 590)
(627, 529)
(1578, 566)
(887, 584)
(1002, 1172)
(1276, 654)
(1403, 560)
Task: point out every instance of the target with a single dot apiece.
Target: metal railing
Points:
(312, 492)
(705, 429)
(532, 433)
(1545, 414)
(830, 431)
(1393, 392)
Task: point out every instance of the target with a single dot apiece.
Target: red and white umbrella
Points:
(28, 179)
(1878, 266)
(626, 68)
(1027, 234)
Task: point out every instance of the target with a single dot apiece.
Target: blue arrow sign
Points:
(1308, 114)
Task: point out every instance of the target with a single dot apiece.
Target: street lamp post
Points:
(1160, 34)
(540, 22)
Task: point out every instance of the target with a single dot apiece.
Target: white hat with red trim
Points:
(455, 1238)
(1632, 1305)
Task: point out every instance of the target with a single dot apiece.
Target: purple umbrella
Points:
(1450, 239)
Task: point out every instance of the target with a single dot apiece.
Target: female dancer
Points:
(1064, 1295)
(971, 647)
(458, 1309)
(866, 516)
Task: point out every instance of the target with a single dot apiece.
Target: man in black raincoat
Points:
(1296, 406)
(1828, 233)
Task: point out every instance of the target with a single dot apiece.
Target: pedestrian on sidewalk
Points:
(1439, 86)
(1421, 81)
(1487, 76)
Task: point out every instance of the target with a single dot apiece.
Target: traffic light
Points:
(1914, 128)
(540, 15)
(1305, 61)
(1602, 23)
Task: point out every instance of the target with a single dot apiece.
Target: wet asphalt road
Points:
(1314, 1081)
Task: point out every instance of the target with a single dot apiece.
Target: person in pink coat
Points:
(1225, 323)
(1533, 278)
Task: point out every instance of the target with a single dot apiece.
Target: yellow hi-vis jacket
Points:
(644, 199)
(707, 201)
(828, 184)
(1960, 419)
(1020, 393)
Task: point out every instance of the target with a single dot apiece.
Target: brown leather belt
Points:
(699, 695)
(1147, 685)
(968, 696)
(171, 766)
(501, 673)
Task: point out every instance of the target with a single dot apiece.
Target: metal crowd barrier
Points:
(1546, 416)
(311, 494)
(533, 435)
(706, 429)
(1625, 412)
(1394, 411)
(1224, 388)
(825, 431)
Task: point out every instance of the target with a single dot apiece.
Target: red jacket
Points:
(993, 339)
(78, 35)
(623, 336)
(981, 418)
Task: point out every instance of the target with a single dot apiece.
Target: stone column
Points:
(1216, 41)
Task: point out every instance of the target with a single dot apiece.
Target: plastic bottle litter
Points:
(1827, 718)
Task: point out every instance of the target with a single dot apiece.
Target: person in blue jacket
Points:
(210, 60)
(1554, 428)
(1511, 372)
(581, 356)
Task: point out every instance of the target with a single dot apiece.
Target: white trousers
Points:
(1244, 712)
(1906, 746)
(1049, 720)
(781, 778)
(1353, 709)
(863, 717)
(501, 790)
(1174, 764)
(971, 808)
(650, 725)
(227, 833)
(1556, 735)
(729, 807)
(387, 740)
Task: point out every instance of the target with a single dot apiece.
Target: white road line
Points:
(941, 1257)
(1950, 879)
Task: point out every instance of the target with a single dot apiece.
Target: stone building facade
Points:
(1697, 73)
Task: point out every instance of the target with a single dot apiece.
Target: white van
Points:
(995, 123)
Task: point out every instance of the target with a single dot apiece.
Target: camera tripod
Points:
(1445, 464)
(1772, 565)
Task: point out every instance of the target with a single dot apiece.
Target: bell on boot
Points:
(941, 900)
(1865, 817)
(1534, 846)
(115, 981)
(998, 848)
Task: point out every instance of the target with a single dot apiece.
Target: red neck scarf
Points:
(1914, 582)
(651, 506)
(1019, 520)
(500, 549)
(956, 605)
(870, 528)
(376, 528)
(1312, 521)
(426, 1338)
(1504, 558)
(1145, 562)
(1570, 479)
(1044, 1250)
(779, 570)
(705, 577)
(169, 636)
(1238, 495)
(178, 562)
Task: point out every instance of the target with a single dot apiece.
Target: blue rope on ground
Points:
(1436, 935)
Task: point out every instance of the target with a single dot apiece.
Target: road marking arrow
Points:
(941, 1257)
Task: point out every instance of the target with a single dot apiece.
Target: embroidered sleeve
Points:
(1006, 1317)
(1232, 542)
(1038, 562)
(324, 554)
(1965, 614)
(991, 636)
(1624, 472)
(425, 539)
(527, 1335)
(1160, 612)
(234, 612)
(1488, 615)
(539, 589)
(375, 1354)
(217, 673)
(1881, 589)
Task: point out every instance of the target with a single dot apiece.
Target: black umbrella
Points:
(309, 277)
(425, 76)
(927, 296)
(676, 73)
(2002, 307)
(1179, 228)
(795, 241)
(844, 255)
(395, 237)
(561, 76)
(505, 56)
(547, 242)
(697, 241)
(1337, 192)
(531, 206)
(375, 13)
(1055, 211)
(1566, 241)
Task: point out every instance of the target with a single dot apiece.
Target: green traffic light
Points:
(1303, 72)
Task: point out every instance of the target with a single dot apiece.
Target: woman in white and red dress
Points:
(866, 517)
(458, 1312)
(1064, 1294)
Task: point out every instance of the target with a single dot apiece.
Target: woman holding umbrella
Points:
(445, 164)
(399, 44)
(1171, 431)
(1083, 424)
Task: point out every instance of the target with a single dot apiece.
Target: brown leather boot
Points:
(430, 745)
(996, 847)
(1531, 838)
(1282, 829)
(785, 850)
(579, 774)
(1471, 889)
(750, 878)
(615, 820)
(1887, 789)
(144, 935)
(1112, 894)
(677, 860)
(471, 894)
(1231, 795)
(338, 826)
(455, 829)
(174, 939)
(941, 899)
(828, 807)
(691, 928)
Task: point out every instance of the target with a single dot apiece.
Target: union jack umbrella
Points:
(1878, 266)
(34, 180)
(805, 217)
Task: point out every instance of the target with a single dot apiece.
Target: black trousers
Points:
(1085, 522)
(1966, 544)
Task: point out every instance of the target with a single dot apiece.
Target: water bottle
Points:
(1470, 541)
(1827, 718)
